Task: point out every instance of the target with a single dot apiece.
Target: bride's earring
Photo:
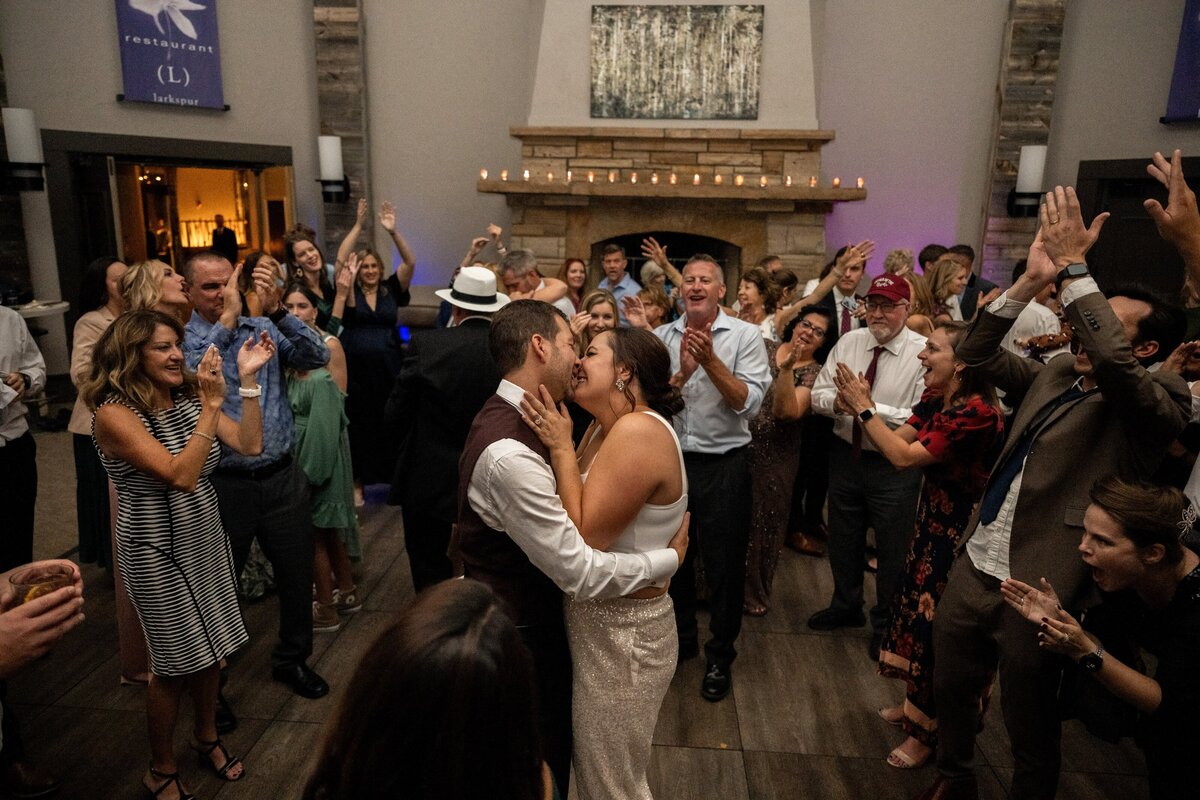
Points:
(620, 384)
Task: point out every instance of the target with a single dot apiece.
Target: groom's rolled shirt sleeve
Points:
(513, 490)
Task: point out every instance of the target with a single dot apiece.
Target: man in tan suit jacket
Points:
(1079, 418)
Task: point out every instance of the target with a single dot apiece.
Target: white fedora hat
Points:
(475, 290)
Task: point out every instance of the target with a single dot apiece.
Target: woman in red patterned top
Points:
(953, 435)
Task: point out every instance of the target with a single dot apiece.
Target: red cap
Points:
(890, 287)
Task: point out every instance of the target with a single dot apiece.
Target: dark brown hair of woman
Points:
(767, 288)
(441, 707)
(971, 381)
(1147, 514)
(117, 371)
(649, 363)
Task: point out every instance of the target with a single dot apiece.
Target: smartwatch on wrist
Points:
(1071, 271)
(1093, 661)
(865, 415)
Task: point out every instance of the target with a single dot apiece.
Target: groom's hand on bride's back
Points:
(679, 542)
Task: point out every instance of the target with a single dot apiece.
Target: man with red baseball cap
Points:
(865, 490)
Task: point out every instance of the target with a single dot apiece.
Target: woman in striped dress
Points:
(157, 428)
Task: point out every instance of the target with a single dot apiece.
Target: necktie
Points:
(856, 436)
(845, 320)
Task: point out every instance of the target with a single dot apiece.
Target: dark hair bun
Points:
(667, 402)
(647, 358)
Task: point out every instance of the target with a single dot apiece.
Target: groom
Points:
(513, 533)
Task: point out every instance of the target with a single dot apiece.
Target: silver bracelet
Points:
(255, 392)
(208, 436)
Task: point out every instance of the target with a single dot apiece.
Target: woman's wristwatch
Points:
(1093, 660)
(865, 415)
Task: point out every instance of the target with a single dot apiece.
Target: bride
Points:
(626, 491)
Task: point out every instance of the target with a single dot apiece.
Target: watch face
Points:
(1091, 662)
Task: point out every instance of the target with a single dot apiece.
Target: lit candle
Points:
(696, 179)
(812, 182)
(762, 181)
(739, 180)
(483, 174)
(673, 179)
(861, 183)
(633, 177)
(503, 174)
(568, 176)
(612, 176)
(550, 176)
(788, 181)
(526, 174)
(591, 177)
(654, 178)
(837, 182)
(718, 179)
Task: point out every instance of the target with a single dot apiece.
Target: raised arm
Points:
(1179, 222)
(855, 254)
(652, 250)
(351, 238)
(408, 262)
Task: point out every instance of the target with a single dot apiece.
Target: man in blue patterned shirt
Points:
(263, 496)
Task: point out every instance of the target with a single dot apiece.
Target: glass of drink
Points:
(35, 581)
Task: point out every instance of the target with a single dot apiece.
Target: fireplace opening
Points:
(679, 246)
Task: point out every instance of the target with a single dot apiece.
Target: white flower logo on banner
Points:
(173, 9)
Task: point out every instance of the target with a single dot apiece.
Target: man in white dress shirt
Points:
(22, 374)
(865, 490)
(513, 533)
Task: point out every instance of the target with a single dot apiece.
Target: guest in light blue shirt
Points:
(720, 365)
(616, 279)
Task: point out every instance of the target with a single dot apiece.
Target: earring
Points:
(620, 384)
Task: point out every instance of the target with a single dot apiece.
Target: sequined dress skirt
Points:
(623, 652)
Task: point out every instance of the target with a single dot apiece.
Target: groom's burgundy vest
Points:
(489, 555)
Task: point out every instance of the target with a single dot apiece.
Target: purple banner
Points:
(1184, 101)
(170, 53)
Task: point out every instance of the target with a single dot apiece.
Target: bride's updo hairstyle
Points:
(649, 364)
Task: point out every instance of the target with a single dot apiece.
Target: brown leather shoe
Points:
(804, 545)
(26, 779)
(945, 789)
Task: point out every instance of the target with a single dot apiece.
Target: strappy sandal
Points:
(204, 752)
(167, 778)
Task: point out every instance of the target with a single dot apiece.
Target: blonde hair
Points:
(141, 285)
(117, 372)
(921, 301)
(590, 301)
(897, 260)
(943, 273)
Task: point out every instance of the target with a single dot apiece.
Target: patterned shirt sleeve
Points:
(959, 429)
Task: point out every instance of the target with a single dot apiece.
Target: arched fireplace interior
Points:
(679, 246)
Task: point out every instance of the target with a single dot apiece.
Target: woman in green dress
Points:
(322, 449)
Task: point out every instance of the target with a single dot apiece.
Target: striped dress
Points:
(174, 555)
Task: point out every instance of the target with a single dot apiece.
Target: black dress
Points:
(372, 344)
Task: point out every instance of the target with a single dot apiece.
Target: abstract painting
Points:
(676, 62)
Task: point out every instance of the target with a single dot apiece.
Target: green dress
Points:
(322, 449)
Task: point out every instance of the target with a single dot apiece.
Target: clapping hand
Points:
(344, 281)
(1179, 222)
(853, 389)
(579, 323)
(387, 216)
(698, 344)
(210, 379)
(635, 311)
(253, 355)
(551, 422)
(232, 299)
(265, 285)
(1176, 363)
(1058, 631)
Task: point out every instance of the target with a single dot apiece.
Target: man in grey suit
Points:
(1099, 412)
(447, 376)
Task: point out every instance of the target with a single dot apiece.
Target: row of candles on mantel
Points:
(673, 179)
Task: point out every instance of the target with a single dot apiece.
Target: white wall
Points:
(1113, 82)
(62, 61)
(787, 97)
(909, 89)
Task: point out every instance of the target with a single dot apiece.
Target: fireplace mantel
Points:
(620, 183)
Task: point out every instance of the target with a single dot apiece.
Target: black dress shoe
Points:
(716, 684)
(876, 643)
(227, 721)
(303, 680)
(833, 618)
(25, 779)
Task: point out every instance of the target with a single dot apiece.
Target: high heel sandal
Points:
(204, 752)
(167, 778)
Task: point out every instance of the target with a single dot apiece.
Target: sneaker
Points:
(325, 617)
(347, 602)
(717, 682)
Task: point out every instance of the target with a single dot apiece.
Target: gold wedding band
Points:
(1055, 221)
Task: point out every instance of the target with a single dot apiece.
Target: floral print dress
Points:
(964, 439)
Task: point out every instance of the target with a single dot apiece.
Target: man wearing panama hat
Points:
(445, 379)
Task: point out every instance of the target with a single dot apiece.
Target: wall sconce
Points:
(1024, 198)
(335, 186)
(23, 172)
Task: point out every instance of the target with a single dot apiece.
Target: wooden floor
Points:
(800, 723)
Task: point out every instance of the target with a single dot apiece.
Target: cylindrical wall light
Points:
(23, 172)
(1023, 200)
(335, 186)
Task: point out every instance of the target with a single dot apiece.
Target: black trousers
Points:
(719, 499)
(552, 668)
(426, 538)
(91, 503)
(275, 510)
(18, 476)
(13, 748)
(812, 479)
(868, 492)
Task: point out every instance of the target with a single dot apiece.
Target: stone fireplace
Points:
(748, 188)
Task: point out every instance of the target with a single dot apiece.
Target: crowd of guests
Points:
(598, 458)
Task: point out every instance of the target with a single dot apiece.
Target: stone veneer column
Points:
(1025, 100)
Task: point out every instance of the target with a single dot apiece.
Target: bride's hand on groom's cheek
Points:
(552, 423)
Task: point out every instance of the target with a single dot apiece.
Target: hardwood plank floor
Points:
(800, 722)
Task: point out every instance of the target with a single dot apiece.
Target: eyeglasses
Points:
(887, 308)
(816, 331)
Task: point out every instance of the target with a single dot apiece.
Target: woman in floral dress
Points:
(953, 434)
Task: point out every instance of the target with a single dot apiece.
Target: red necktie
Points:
(856, 436)
(845, 320)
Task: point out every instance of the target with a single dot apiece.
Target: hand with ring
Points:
(551, 422)
(1058, 631)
